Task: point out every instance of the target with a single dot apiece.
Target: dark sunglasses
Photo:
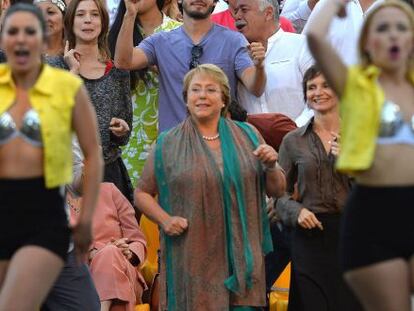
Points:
(196, 53)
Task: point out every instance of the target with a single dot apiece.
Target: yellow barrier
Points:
(279, 297)
(150, 230)
(143, 307)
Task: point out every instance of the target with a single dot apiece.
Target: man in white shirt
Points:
(287, 59)
(298, 12)
(344, 32)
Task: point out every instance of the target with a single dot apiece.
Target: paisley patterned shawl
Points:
(218, 262)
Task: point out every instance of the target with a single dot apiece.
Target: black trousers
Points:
(315, 256)
(278, 259)
(73, 290)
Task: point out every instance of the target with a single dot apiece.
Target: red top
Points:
(109, 65)
(225, 19)
(286, 25)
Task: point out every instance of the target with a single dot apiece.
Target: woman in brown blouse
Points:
(308, 155)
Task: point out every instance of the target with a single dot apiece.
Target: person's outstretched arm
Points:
(126, 56)
(254, 77)
(332, 66)
(86, 128)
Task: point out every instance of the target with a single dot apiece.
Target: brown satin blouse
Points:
(320, 188)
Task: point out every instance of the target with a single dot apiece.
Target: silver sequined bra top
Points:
(30, 130)
(393, 128)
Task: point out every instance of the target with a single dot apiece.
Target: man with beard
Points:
(197, 41)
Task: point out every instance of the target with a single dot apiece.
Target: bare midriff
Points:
(393, 165)
(19, 159)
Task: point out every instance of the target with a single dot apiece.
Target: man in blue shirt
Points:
(174, 53)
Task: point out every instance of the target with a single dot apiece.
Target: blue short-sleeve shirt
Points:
(171, 53)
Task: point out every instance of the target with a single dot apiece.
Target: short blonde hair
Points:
(217, 75)
(405, 8)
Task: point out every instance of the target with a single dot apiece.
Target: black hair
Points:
(236, 111)
(135, 75)
(30, 8)
(160, 4)
(312, 72)
(13, 2)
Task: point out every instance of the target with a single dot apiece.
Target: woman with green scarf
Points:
(211, 176)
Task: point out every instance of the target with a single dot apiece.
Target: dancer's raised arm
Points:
(333, 68)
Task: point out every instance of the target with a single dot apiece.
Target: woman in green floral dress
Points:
(145, 86)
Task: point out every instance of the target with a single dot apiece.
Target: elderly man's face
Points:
(250, 21)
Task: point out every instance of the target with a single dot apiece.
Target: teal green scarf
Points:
(231, 179)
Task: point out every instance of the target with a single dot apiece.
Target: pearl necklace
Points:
(211, 138)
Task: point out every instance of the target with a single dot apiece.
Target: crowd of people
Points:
(263, 133)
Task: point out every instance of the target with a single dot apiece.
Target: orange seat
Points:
(150, 266)
(142, 307)
(279, 297)
(278, 302)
